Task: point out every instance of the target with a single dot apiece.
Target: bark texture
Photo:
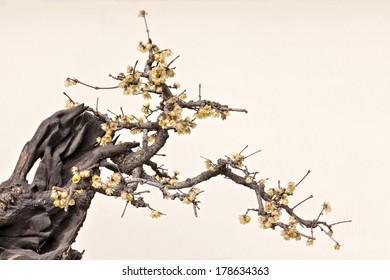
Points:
(30, 226)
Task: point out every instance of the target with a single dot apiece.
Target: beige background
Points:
(314, 76)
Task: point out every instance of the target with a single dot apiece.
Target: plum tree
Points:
(41, 219)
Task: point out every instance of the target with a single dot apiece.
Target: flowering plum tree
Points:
(41, 219)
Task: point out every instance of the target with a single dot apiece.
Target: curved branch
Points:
(129, 161)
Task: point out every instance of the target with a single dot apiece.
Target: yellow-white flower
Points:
(244, 219)
(142, 13)
(204, 112)
(76, 178)
(56, 203)
(54, 194)
(85, 174)
(249, 180)
(70, 82)
(155, 214)
(209, 165)
(109, 191)
(326, 206)
(290, 188)
(127, 196)
(116, 177)
(70, 104)
(283, 201)
(310, 242)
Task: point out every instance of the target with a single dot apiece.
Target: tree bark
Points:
(31, 227)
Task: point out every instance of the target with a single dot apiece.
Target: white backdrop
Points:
(312, 74)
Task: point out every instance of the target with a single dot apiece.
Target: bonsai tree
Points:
(41, 219)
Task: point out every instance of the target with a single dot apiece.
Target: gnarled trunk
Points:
(31, 227)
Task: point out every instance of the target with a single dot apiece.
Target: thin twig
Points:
(70, 195)
(143, 181)
(112, 113)
(319, 215)
(195, 206)
(252, 154)
(311, 196)
(304, 235)
(200, 91)
(173, 61)
(135, 65)
(233, 109)
(348, 221)
(324, 231)
(147, 28)
(250, 209)
(70, 99)
(243, 149)
(120, 77)
(141, 192)
(94, 87)
(308, 172)
(124, 210)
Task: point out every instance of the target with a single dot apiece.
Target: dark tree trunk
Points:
(31, 227)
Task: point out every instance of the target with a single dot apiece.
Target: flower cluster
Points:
(204, 112)
(109, 129)
(169, 180)
(207, 111)
(131, 84)
(109, 186)
(160, 73)
(144, 48)
(291, 231)
(78, 175)
(273, 206)
(279, 195)
(237, 160)
(172, 118)
(268, 221)
(136, 82)
(125, 119)
(60, 198)
(191, 196)
(273, 212)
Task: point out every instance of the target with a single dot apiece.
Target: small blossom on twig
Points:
(244, 219)
(70, 82)
(310, 242)
(155, 214)
(327, 208)
(142, 13)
